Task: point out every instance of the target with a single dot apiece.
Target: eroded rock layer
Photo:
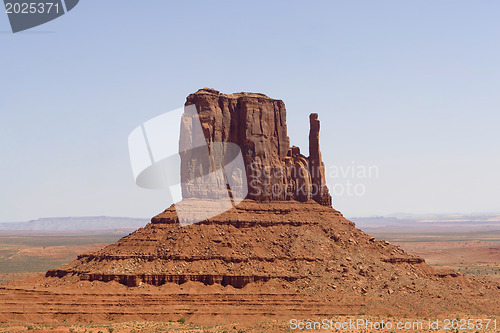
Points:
(287, 241)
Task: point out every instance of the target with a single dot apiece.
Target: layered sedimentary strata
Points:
(288, 241)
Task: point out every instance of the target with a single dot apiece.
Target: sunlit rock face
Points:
(257, 125)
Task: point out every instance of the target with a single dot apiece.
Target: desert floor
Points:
(22, 257)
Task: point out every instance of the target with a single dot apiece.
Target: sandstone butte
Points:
(274, 255)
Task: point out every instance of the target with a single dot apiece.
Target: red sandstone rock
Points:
(254, 242)
(257, 124)
(303, 246)
(293, 236)
(316, 166)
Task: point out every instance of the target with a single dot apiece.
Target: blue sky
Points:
(408, 87)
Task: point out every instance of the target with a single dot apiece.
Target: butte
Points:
(276, 253)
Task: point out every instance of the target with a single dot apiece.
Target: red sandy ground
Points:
(349, 273)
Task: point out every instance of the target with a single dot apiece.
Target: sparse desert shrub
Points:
(181, 320)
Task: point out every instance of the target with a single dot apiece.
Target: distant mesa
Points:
(73, 224)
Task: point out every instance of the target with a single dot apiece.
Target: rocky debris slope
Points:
(254, 242)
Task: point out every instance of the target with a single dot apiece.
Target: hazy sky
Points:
(411, 88)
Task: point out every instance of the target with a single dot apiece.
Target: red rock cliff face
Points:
(257, 124)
